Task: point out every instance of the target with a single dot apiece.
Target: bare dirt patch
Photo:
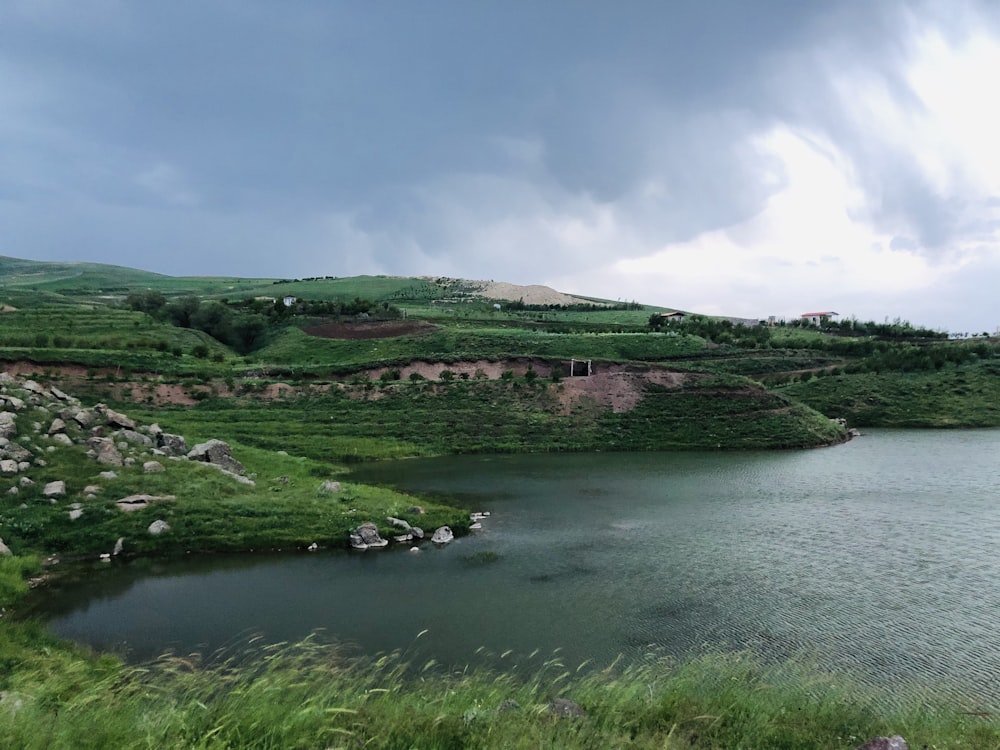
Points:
(370, 329)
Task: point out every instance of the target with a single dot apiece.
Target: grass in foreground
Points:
(313, 695)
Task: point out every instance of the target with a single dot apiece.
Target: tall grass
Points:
(311, 694)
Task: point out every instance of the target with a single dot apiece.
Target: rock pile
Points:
(36, 420)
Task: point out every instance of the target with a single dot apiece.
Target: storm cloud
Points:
(743, 158)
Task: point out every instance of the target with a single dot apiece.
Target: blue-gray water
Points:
(878, 557)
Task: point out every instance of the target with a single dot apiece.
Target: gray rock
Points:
(442, 535)
(23, 465)
(17, 452)
(8, 423)
(13, 491)
(416, 510)
(154, 430)
(92, 489)
(158, 527)
(14, 403)
(329, 487)
(106, 452)
(567, 708)
(885, 743)
(62, 438)
(129, 461)
(84, 418)
(57, 426)
(26, 482)
(114, 418)
(5, 550)
(416, 532)
(368, 532)
(32, 387)
(399, 523)
(137, 438)
(119, 547)
(153, 467)
(8, 466)
(75, 513)
(138, 502)
(216, 452)
(108, 475)
(174, 445)
(56, 393)
(54, 489)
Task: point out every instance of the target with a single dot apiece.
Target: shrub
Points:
(446, 375)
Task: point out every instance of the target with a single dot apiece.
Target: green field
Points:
(221, 347)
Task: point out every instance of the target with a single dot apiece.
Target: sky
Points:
(724, 157)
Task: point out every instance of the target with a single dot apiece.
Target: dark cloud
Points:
(392, 136)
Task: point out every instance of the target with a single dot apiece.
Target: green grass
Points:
(457, 342)
(968, 396)
(377, 421)
(311, 695)
(210, 512)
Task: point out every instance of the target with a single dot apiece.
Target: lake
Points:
(878, 558)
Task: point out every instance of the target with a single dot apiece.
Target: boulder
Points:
(13, 402)
(8, 466)
(105, 451)
(368, 532)
(26, 482)
(114, 418)
(138, 502)
(56, 393)
(416, 532)
(399, 523)
(57, 426)
(152, 467)
(84, 418)
(54, 489)
(174, 445)
(137, 438)
(442, 535)
(8, 423)
(62, 438)
(16, 452)
(32, 387)
(157, 527)
(216, 452)
(5, 550)
(329, 487)
(108, 475)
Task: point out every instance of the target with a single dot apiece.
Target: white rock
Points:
(152, 467)
(158, 527)
(54, 489)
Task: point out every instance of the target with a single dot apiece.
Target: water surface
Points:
(878, 557)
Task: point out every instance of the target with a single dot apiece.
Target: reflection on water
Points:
(877, 556)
